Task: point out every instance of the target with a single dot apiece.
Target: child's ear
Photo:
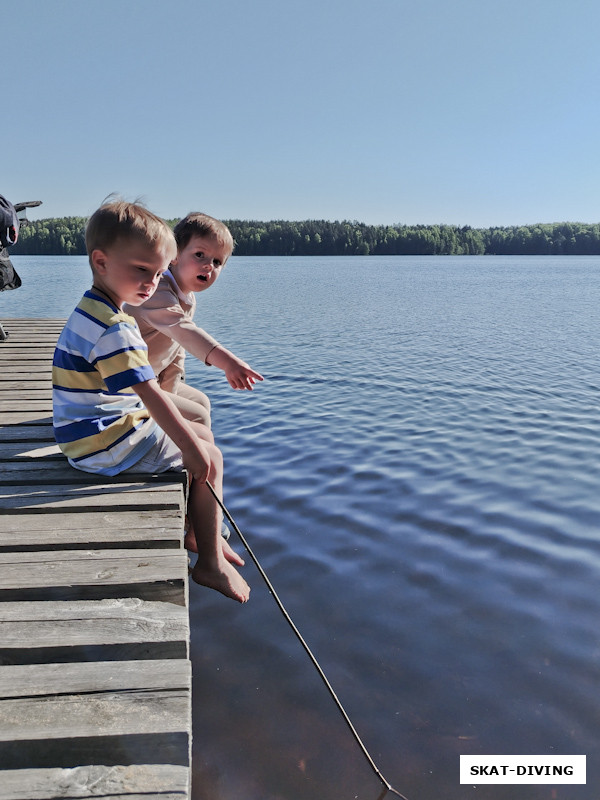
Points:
(99, 260)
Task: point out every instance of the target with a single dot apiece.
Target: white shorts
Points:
(162, 457)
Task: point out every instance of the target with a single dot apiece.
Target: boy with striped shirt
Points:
(110, 416)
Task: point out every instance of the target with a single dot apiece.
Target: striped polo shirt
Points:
(100, 423)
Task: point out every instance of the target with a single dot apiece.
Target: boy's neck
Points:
(173, 270)
(98, 290)
(174, 274)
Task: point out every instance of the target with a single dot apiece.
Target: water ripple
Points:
(418, 474)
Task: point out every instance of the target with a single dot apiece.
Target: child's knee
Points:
(202, 416)
(216, 457)
(217, 454)
(203, 432)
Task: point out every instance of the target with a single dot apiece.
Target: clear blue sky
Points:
(470, 112)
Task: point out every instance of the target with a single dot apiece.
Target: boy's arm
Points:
(162, 312)
(196, 458)
(239, 374)
(171, 321)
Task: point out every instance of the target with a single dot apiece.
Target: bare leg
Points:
(193, 404)
(212, 568)
(189, 543)
(196, 414)
(230, 554)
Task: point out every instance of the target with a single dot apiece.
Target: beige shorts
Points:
(164, 456)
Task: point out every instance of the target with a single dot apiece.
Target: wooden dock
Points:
(95, 677)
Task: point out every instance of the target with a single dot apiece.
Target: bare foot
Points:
(230, 554)
(224, 578)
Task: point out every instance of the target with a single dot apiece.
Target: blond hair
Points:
(198, 224)
(119, 220)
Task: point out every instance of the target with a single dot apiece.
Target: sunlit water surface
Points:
(418, 475)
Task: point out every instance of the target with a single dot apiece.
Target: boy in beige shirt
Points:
(166, 320)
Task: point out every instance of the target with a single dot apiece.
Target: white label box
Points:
(528, 769)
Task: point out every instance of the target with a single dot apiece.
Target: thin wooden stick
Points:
(374, 767)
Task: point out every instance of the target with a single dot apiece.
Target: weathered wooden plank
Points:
(133, 485)
(22, 539)
(12, 450)
(26, 398)
(80, 623)
(166, 591)
(25, 327)
(88, 497)
(32, 320)
(22, 325)
(18, 333)
(43, 338)
(29, 342)
(36, 680)
(34, 395)
(25, 405)
(26, 385)
(9, 417)
(26, 361)
(51, 499)
(39, 336)
(106, 524)
(169, 748)
(132, 782)
(50, 504)
(91, 567)
(13, 369)
(53, 471)
(15, 342)
(104, 714)
(32, 332)
(41, 363)
(21, 535)
(26, 350)
(33, 348)
(26, 433)
(24, 372)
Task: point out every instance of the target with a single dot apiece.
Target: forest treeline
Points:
(65, 236)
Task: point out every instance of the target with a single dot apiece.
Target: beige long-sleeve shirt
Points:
(167, 325)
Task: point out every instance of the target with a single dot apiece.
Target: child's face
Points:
(128, 272)
(199, 263)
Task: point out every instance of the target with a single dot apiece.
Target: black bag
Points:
(9, 233)
(8, 275)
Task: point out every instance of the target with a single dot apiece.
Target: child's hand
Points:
(196, 460)
(242, 376)
(195, 455)
(239, 374)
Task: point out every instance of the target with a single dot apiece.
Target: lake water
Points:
(418, 475)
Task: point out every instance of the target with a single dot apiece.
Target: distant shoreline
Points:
(65, 236)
